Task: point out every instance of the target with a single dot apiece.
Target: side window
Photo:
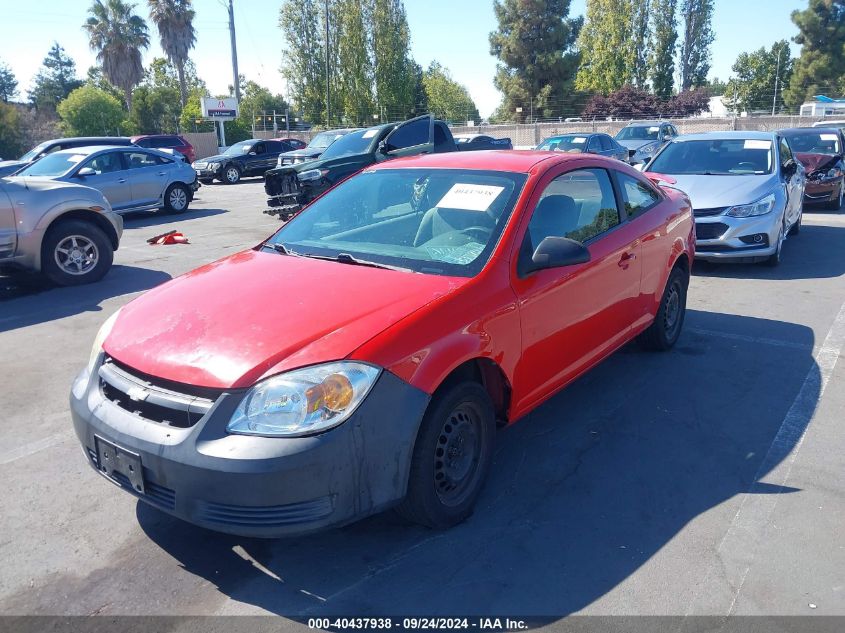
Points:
(594, 145)
(637, 195)
(259, 148)
(440, 140)
(105, 163)
(579, 205)
(139, 160)
(606, 143)
(409, 135)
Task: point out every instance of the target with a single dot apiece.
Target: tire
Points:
(442, 494)
(177, 198)
(840, 200)
(774, 259)
(230, 175)
(75, 252)
(664, 332)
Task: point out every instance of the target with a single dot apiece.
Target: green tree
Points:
(191, 117)
(639, 41)
(95, 78)
(175, 22)
(697, 18)
(664, 38)
(256, 100)
(535, 46)
(447, 99)
(88, 111)
(820, 68)
(752, 87)
(607, 62)
(55, 81)
(420, 105)
(716, 87)
(11, 136)
(8, 84)
(117, 36)
(303, 64)
(355, 71)
(394, 71)
(163, 74)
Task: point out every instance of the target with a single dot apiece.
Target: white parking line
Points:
(736, 551)
(33, 447)
(749, 339)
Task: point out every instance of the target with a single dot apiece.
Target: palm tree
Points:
(174, 19)
(117, 35)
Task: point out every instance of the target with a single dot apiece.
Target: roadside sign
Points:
(224, 109)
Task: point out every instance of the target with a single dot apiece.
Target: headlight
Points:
(213, 165)
(104, 331)
(304, 401)
(761, 207)
(310, 174)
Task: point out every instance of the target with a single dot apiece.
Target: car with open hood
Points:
(746, 188)
(361, 357)
(315, 147)
(642, 139)
(820, 151)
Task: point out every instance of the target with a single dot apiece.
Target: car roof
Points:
(138, 136)
(519, 161)
(549, 138)
(728, 134)
(646, 123)
(792, 130)
(93, 149)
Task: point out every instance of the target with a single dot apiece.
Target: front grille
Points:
(160, 496)
(202, 165)
(157, 401)
(703, 213)
(710, 230)
(266, 516)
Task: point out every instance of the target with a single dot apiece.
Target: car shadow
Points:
(27, 299)
(141, 219)
(812, 254)
(582, 493)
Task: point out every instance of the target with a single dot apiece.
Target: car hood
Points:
(709, 192)
(255, 314)
(9, 166)
(218, 158)
(813, 162)
(636, 144)
(303, 153)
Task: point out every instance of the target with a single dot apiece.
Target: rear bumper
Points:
(259, 486)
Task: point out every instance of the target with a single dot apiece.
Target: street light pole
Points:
(328, 90)
(237, 83)
(777, 76)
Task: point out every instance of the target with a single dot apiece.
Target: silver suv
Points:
(66, 231)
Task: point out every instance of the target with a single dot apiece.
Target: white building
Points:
(823, 106)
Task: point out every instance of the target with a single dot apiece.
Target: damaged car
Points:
(820, 151)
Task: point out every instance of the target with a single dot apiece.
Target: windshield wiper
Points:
(284, 250)
(346, 258)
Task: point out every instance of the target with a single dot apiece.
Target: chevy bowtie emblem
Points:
(137, 394)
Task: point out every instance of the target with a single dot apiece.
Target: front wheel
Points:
(231, 175)
(75, 252)
(774, 259)
(451, 457)
(666, 329)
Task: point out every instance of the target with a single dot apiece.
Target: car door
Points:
(110, 177)
(593, 145)
(409, 138)
(254, 160)
(793, 179)
(8, 232)
(573, 316)
(148, 176)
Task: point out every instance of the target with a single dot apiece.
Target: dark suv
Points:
(9, 167)
(247, 158)
(167, 141)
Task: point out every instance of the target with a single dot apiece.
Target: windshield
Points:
(722, 157)
(571, 143)
(324, 139)
(56, 164)
(441, 222)
(238, 149)
(35, 151)
(638, 133)
(812, 142)
(352, 143)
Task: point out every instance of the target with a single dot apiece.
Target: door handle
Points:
(626, 260)
(121, 180)
(161, 173)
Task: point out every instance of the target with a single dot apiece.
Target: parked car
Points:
(746, 190)
(295, 143)
(247, 158)
(585, 143)
(832, 123)
(173, 142)
(131, 178)
(454, 290)
(291, 187)
(644, 138)
(9, 167)
(820, 151)
(66, 231)
(481, 141)
(314, 149)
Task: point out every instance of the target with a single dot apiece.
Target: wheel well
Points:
(89, 216)
(682, 263)
(488, 374)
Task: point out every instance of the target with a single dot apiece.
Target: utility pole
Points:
(777, 75)
(328, 92)
(236, 76)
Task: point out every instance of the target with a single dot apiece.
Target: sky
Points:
(454, 32)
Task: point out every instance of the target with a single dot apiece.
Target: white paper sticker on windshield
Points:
(579, 140)
(756, 144)
(470, 197)
(653, 129)
(76, 158)
(828, 137)
(370, 133)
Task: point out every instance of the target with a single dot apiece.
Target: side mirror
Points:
(555, 252)
(382, 148)
(253, 153)
(85, 171)
(667, 137)
(790, 167)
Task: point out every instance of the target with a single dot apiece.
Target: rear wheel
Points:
(176, 198)
(75, 252)
(666, 329)
(451, 457)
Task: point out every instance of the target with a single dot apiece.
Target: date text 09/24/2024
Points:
(417, 623)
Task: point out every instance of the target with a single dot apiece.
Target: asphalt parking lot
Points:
(703, 481)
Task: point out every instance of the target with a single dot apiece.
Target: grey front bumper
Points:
(260, 486)
(718, 237)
